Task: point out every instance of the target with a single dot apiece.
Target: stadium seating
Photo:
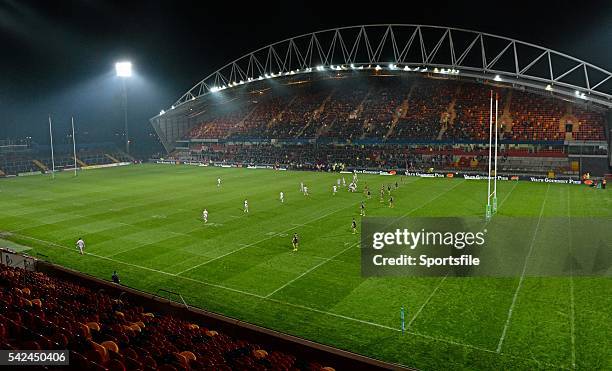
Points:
(398, 109)
(13, 163)
(39, 311)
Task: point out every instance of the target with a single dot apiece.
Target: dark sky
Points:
(58, 56)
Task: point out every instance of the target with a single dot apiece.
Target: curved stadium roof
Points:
(416, 49)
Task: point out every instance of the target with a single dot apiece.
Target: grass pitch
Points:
(145, 222)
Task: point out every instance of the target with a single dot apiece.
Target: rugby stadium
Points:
(241, 245)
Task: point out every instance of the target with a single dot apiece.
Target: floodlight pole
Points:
(52, 156)
(125, 115)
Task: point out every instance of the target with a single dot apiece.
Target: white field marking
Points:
(416, 315)
(572, 307)
(323, 258)
(520, 284)
(234, 216)
(443, 340)
(508, 195)
(341, 252)
(433, 199)
(149, 243)
(309, 270)
(262, 240)
(443, 279)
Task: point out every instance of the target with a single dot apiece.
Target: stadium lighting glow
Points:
(320, 68)
(577, 92)
(391, 66)
(497, 78)
(162, 112)
(123, 69)
(406, 68)
(352, 65)
(377, 68)
(548, 87)
(172, 107)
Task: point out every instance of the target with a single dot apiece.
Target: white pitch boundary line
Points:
(443, 340)
(446, 276)
(520, 284)
(262, 240)
(310, 270)
(318, 265)
(572, 307)
(427, 301)
(149, 243)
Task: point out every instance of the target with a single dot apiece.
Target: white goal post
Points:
(492, 195)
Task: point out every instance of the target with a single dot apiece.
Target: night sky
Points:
(58, 56)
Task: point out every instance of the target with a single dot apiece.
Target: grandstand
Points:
(32, 158)
(108, 327)
(395, 104)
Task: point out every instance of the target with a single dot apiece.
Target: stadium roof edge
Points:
(414, 47)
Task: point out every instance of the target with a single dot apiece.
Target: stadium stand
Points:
(376, 121)
(110, 327)
(415, 109)
(29, 161)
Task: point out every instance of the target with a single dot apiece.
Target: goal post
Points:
(492, 160)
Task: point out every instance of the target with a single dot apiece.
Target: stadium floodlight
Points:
(497, 78)
(577, 93)
(406, 68)
(352, 65)
(549, 87)
(123, 69)
(377, 68)
(162, 112)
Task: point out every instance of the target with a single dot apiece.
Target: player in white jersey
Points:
(282, 197)
(305, 191)
(246, 206)
(338, 182)
(343, 182)
(80, 244)
(302, 187)
(218, 182)
(335, 189)
(205, 215)
(354, 176)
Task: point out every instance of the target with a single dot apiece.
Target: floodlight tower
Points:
(124, 71)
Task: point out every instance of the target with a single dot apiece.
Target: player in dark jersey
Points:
(295, 241)
(362, 209)
(391, 201)
(389, 189)
(354, 226)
